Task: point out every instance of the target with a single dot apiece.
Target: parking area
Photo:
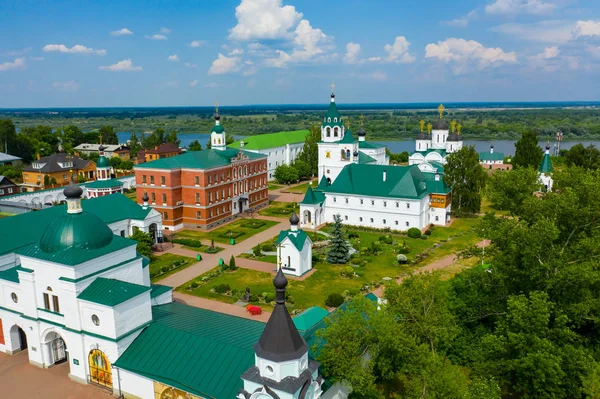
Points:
(19, 379)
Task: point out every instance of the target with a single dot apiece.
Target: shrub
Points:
(253, 223)
(253, 298)
(232, 265)
(257, 251)
(194, 285)
(353, 292)
(352, 234)
(402, 259)
(386, 239)
(221, 288)
(428, 231)
(334, 300)
(232, 234)
(270, 297)
(375, 247)
(188, 242)
(268, 247)
(413, 232)
(347, 271)
(316, 258)
(423, 237)
(224, 266)
(213, 250)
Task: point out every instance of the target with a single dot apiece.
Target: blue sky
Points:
(172, 53)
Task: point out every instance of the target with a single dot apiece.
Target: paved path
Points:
(437, 265)
(217, 306)
(19, 379)
(280, 196)
(210, 261)
(268, 267)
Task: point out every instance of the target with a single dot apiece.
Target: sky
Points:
(195, 52)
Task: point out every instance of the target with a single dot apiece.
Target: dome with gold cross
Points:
(441, 123)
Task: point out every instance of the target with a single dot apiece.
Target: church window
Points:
(95, 320)
(407, 224)
(335, 119)
(46, 301)
(153, 197)
(210, 198)
(269, 370)
(245, 170)
(348, 154)
(197, 198)
(335, 131)
(143, 179)
(151, 179)
(361, 201)
(14, 297)
(407, 205)
(164, 198)
(55, 304)
(165, 215)
(371, 220)
(397, 205)
(345, 217)
(328, 119)
(100, 369)
(372, 202)
(437, 218)
(384, 204)
(163, 180)
(209, 179)
(328, 132)
(396, 223)
(360, 219)
(197, 180)
(334, 199)
(383, 221)
(346, 200)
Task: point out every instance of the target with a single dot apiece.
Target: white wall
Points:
(134, 384)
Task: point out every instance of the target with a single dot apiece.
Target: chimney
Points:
(384, 175)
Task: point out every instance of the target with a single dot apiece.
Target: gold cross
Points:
(429, 126)
(422, 124)
(441, 109)
(100, 138)
(217, 107)
(453, 126)
(458, 128)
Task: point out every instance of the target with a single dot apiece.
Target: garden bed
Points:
(167, 264)
(280, 209)
(224, 234)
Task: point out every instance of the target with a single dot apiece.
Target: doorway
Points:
(59, 351)
(22, 339)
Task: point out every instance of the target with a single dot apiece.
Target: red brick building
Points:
(204, 188)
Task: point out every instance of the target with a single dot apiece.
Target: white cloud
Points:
(224, 65)
(544, 31)
(211, 85)
(236, 51)
(594, 51)
(156, 37)
(121, 66)
(352, 53)
(193, 83)
(463, 54)
(164, 31)
(71, 85)
(264, 19)
(197, 43)
(16, 53)
(512, 7)
(398, 52)
(36, 58)
(249, 68)
(377, 76)
(76, 49)
(586, 28)
(18, 63)
(190, 65)
(550, 60)
(461, 22)
(121, 32)
(173, 57)
(374, 59)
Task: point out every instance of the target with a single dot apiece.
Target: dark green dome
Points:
(102, 162)
(218, 129)
(80, 230)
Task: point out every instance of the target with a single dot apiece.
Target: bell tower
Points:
(218, 139)
(332, 128)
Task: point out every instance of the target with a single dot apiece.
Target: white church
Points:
(357, 182)
(294, 249)
(80, 294)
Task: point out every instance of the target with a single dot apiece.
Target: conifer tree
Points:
(338, 252)
(528, 153)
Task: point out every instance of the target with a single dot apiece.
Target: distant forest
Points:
(575, 123)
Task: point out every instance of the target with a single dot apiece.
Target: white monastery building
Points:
(357, 182)
(294, 249)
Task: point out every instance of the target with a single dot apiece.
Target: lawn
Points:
(280, 209)
(132, 195)
(263, 258)
(486, 206)
(167, 264)
(274, 186)
(328, 278)
(240, 230)
(5, 215)
(300, 189)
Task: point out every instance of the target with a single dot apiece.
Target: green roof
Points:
(205, 159)
(271, 140)
(75, 231)
(158, 290)
(102, 162)
(10, 274)
(323, 184)
(546, 166)
(491, 156)
(313, 197)
(217, 128)
(372, 297)
(309, 318)
(364, 158)
(296, 239)
(110, 183)
(331, 114)
(196, 350)
(438, 165)
(73, 255)
(442, 152)
(369, 145)
(27, 228)
(367, 180)
(111, 292)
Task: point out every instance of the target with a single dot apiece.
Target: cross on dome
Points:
(441, 109)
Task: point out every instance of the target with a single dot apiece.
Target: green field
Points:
(280, 209)
(166, 261)
(300, 189)
(5, 215)
(274, 186)
(224, 233)
(327, 279)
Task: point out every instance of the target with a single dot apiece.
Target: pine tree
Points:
(528, 153)
(338, 252)
(232, 265)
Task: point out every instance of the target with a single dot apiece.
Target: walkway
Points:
(210, 261)
(217, 306)
(280, 196)
(19, 379)
(267, 267)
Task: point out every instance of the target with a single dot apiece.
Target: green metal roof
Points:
(102, 162)
(196, 350)
(323, 184)
(369, 145)
(367, 180)
(111, 292)
(313, 197)
(10, 274)
(218, 128)
(372, 297)
(438, 165)
(297, 239)
(77, 231)
(546, 166)
(271, 140)
(331, 114)
(206, 159)
(491, 156)
(110, 183)
(439, 151)
(158, 289)
(72, 255)
(309, 318)
(364, 158)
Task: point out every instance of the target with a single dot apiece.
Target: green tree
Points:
(8, 136)
(171, 137)
(585, 157)
(303, 169)
(338, 247)
(109, 136)
(285, 174)
(195, 146)
(144, 242)
(527, 152)
(116, 163)
(508, 190)
(232, 265)
(127, 165)
(134, 145)
(466, 177)
(310, 151)
(72, 136)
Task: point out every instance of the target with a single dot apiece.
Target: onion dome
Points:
(548, 146)
(355, 153)
(73, 191)
(294, 219)
(101, 148)
(103, 162)
(422, 136)
(217, 116)
(280, 281)
(453, 137)
(361, 132)
(440, 124)
(145, 197)
(82, 231)
(217, 128)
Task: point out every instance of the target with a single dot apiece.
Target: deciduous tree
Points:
(528, 154)
(466, 177)
(508, 190)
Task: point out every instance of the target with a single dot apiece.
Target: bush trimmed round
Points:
(413, 232)
(334, 300)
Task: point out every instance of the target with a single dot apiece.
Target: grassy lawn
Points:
(5, 215)
(240, 230)
(166, 263)
(203, 249)
(264, 258)
(486, 206)
(280, 209)
(300, 189)
(131, 195)
(274, 186)
(327, 279)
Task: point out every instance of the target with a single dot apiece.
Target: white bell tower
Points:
(218, 139)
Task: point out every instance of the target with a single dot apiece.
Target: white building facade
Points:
(294, 249)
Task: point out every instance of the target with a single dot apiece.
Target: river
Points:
(505, 146)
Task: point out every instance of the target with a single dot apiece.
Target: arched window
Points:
(328, 119)
(343, 154)
(328, 132)
(100, 370)
(348, 154)
(335, 131)
(335, 119)
(289, 262)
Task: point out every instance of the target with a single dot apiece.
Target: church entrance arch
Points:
(152, 230)
(100, 368)
(55, 348)
(307, 217)
(18, 337)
